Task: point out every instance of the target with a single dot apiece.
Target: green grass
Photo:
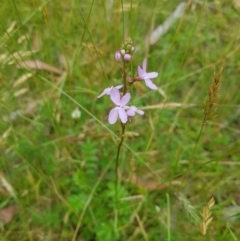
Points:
(62, 170)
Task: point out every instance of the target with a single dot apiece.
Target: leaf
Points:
(5, 186)
(7, 214)
(167, 106)
(150, 184)
(22, 79)
(20, 92)
(39, 65)
(163, 28)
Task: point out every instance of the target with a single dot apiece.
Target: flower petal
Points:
(102, 94)
(113, 115)
(151, 75)
(130, 112)
(115, 96)
(122, 115)
(133, 110)
(125, 99)
(140, 112)
(119, 86)
(140, 72)
(150, 84)
(144, 65)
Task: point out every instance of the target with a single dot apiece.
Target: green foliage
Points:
(77, 201)
(89, 155)
(105, 231)
(62, 170)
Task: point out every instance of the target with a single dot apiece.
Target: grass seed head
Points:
(209, 106)
(206, 216)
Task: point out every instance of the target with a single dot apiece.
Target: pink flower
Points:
(127, 57)
(120, 109)
(146, 76)
(118, 56)
(132, 110)
(108, 90)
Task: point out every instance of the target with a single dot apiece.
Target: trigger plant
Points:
(122, 111)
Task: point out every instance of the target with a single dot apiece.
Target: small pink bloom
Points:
(132, 110)
(119, 110)
(147, 76)
(127, 57)
(108, 90)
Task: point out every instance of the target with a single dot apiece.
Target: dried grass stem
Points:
(209, 106)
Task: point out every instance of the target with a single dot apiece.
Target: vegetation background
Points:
(57, 179)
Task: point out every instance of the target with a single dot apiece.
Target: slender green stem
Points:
(117, 178)
(168, 217)
(124, 78)
(123, 25)
(195, 148)
(118, 150)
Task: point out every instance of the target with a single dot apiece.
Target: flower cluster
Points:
(121, 109)
(126, 52)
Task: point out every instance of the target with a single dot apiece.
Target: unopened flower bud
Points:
(132, 50)
(129, 47)
(123, 51)
(127, 57)
(129, 41)
(118, 56)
